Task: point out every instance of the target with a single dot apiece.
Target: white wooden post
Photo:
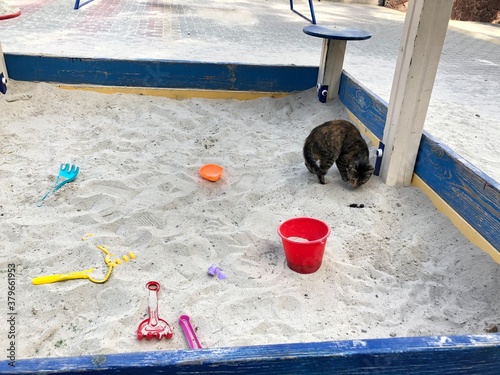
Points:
(331, 64)
(421, 45)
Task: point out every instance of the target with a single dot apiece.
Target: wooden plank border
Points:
(470, 193)
(478, 354)
(161, 73)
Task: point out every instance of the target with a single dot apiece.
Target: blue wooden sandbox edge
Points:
(161, 73)
(477, 354)
(471, 193)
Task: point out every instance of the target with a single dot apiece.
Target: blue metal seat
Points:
(332, 56)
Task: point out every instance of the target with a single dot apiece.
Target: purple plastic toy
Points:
(213, 270)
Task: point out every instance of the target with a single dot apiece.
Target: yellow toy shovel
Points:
(62, 277)
(83, 274)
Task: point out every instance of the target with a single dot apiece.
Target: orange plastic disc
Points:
(211, 172)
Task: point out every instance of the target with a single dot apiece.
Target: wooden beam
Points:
(331, 64)
(421, 46)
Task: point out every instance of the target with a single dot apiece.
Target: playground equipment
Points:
(9, 12)
(332, 56)
(311, 9)
(78, 5)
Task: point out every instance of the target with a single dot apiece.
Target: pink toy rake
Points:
(153, 326)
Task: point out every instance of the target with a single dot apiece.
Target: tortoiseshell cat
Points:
(338, 142)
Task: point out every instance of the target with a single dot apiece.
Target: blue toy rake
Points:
(67, 173)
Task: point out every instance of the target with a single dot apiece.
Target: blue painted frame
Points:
(161, 73)
(470, 192)
(450, 355)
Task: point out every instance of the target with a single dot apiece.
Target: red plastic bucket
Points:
(304, 241)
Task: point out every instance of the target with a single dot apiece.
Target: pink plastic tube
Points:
(189, 332)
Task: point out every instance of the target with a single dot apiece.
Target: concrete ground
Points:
(466, 92)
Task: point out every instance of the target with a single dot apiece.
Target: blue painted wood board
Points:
(161, 73)
(470, 192)
(449, 355)
(369, 108)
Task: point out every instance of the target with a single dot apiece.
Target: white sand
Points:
(7, 10)
(395, 267)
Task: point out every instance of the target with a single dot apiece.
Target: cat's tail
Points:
(311, 164)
